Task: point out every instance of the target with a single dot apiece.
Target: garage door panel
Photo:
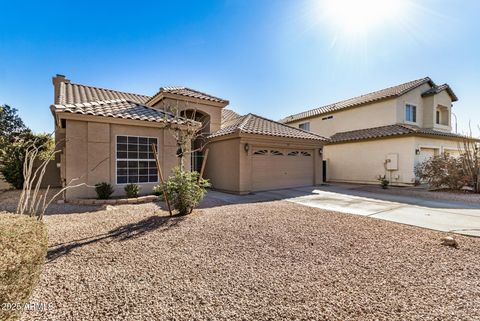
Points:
(282, 171)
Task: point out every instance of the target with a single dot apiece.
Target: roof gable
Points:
(387, 93)
(185, 92)
(437, 89)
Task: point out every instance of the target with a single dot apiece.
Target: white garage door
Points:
(426, 154)
(274, 168)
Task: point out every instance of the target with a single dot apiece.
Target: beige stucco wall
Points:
(387, 112)
(229, 167)
(373, 115)
(362, 162)
(90, 154)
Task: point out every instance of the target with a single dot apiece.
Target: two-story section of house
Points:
(387, 132)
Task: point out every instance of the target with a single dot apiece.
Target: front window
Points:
(135, 160)
(411, 113)
(304, 126)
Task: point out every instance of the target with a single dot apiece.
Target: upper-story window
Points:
(441, 116)
(411, 113)
(304, 126)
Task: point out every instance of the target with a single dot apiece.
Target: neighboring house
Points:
(104, 136)
(385, 132)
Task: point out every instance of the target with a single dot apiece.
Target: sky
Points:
(270, 57)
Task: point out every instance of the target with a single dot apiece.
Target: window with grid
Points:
(135, 160)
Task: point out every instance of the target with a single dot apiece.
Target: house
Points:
(105, 135)
(387, 132)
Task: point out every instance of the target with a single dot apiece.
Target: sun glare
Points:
(354, 17)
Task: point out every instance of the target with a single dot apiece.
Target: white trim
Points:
(122, 159)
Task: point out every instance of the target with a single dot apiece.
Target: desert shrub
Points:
(132, 190)
(384, 182)
(185, 190)
(104, 190)
(23, 244)
(12, 155)
(157, 190)
(443, 171)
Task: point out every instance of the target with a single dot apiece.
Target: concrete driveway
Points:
(446, 216)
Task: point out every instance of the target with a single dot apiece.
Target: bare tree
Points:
(470, 157)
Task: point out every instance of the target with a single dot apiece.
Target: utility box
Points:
(391, 162)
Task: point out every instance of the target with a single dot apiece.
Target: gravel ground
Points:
(422, 193)
(265, 261)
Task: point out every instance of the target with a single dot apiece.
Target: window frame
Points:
(307, 125)
(137, 159)
(414, 114)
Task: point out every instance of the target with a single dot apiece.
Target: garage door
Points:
(275, 168)
(426, 154)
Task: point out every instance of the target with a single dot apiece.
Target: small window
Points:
(437, 117)
(135, 160)
(327, 117)
(260, 152)
(304, 126)
(294, 153)
(305, 154)
(276, 153)
(411, 113)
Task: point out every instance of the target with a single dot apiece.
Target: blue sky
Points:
(269, 57)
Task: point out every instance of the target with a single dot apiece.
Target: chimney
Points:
(57, 80)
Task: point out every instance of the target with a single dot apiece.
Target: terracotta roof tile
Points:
(228, 114)
(75, 93)
(390, 92)
(436, 89)
(387, 131)
(253, 124)
(188, 92)
(120, 108)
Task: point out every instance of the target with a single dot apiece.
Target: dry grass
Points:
(267, 261)
(23, 247)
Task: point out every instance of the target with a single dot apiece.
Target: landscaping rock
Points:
(449, 241)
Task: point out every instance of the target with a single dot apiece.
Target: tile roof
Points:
(436, 89)
(387, 131)
(75, 93)
(390, 92)
(253, 124)
(120, 108)
(228, 114)
(188, 92)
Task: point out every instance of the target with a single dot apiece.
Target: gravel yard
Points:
(265, 261)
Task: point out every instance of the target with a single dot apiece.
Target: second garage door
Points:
(274, 168)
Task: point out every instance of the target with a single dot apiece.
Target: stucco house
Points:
(104, 135)
(386, 132)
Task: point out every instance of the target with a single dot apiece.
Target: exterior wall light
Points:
(246, 147)
(320, 151)
(417, 151)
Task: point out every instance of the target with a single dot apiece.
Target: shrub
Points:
(132, 190)
(23, 244)
(12, 155)
(104, 190)
(185, 190)
(384, 182)
(443, 171)
(157, 190)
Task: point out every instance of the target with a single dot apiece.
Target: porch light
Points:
(246, 147)
(417, 151)
(320, 151)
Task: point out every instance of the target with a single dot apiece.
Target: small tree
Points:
(470, 160)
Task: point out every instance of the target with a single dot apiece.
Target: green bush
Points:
(104, 190)
(12, 155)
(157, 190)
(23, 247)
(185, 190)
(384, 182)
(132, 190)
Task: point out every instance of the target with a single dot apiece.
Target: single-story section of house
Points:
(105, 135)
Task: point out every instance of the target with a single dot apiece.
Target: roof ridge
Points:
(103, 88)
(417, 82)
